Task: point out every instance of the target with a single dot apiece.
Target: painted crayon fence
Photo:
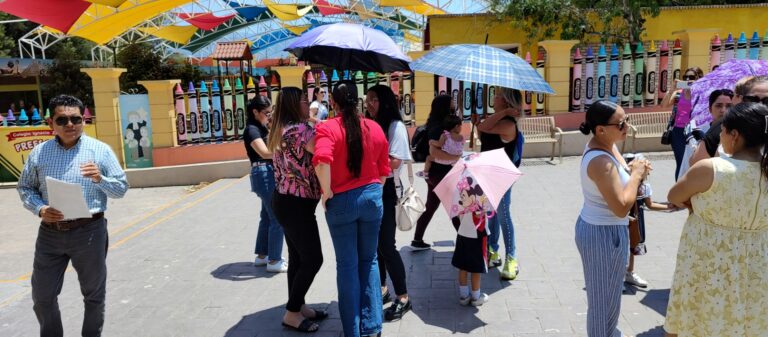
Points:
(633, 76)
(721, 51)
(401, 83)
(215, 111)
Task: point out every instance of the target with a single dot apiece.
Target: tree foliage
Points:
(143, 63)
(64, 76)
(606, 20)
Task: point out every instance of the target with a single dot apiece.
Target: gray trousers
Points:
(86, 247)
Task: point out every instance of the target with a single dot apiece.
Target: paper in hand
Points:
(67, 198)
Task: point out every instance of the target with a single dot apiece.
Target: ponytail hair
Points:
(345, 96)
(598, 114)
(751, 121)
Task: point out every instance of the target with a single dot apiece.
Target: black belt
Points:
(261, 163)
(67, 225)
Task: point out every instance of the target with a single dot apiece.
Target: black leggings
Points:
(436, 173)
(389, 257)
(297, 216)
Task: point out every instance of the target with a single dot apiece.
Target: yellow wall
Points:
(472, 28)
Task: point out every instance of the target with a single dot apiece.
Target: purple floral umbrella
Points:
(724, 77)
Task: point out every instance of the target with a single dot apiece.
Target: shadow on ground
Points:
(655, 332)
(240, 271)
(268, 323)
(657, 300)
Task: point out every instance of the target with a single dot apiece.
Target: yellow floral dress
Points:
(720, 286)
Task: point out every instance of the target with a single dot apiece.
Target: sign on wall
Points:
(17, 142)
(137, 130)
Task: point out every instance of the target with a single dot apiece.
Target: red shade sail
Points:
(328, 9)
(58, 14)
(206, 21)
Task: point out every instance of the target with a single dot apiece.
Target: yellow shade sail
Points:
(416, 6)
(424, 9)
(296, 30)
(102, 23)
(364, 14)
(110, 3)
(286, 12)
(178, 34)
(411, 38)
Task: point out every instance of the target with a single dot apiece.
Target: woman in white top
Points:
(610, 189)
(381, 104)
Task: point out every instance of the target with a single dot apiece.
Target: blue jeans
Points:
(677, 140)
(269, 239)
(502, 222)
(353, 219)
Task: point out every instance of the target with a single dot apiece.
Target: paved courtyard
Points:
(180, 264)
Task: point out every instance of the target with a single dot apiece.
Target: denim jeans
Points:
(269, 239)
(86, 247)
(502, 222)
(677, 140)
(353, 219)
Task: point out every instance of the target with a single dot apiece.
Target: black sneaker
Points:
(386, 298)
(397, 310)
(417, 245)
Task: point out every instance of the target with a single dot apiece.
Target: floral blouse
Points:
(294, 173)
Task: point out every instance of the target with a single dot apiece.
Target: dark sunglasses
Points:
(64, 120)
(755, 99)
(689, 77)
(621, 124)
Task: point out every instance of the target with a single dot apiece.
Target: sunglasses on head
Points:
(622, 124)
(755, 99)
(64, 120)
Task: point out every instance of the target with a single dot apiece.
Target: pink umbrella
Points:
(477, 182)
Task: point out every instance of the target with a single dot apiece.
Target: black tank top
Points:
(490, 141)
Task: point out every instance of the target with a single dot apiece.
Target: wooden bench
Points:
(646, 125)
(542, 130)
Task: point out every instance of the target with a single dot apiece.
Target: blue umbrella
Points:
(482, 64)
(350, 46)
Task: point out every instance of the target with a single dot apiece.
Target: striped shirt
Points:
(50, 159)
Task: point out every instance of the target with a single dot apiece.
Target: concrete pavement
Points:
(180, 265)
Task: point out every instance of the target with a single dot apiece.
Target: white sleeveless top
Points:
(595, 210)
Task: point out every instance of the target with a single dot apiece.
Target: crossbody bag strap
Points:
(410, 173)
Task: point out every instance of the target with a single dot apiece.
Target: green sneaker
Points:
(510, 270)
(494, 260)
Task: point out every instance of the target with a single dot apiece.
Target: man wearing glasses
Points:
(74, 158)
(317, 109)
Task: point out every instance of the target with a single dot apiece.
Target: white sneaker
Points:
(480, 300)
(258, 262)
(279, 267)
(465, 300)
(635, 280)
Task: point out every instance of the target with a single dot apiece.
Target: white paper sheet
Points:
(67, 198)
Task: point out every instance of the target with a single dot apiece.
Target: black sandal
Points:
(305, 326)
(319, 315)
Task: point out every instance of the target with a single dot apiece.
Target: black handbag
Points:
(665, 137)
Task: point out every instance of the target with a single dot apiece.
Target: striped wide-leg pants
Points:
(604, 256)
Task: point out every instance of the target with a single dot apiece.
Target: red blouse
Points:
(331, 148)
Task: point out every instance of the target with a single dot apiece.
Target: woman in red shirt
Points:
(352, 160)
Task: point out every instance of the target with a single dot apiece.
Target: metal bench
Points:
(542, 130)
(646, 125)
